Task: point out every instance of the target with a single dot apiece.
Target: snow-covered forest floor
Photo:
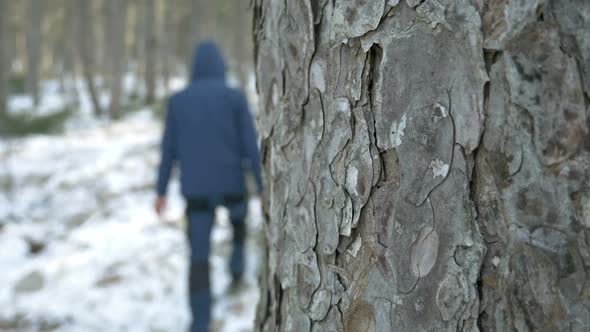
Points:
(81, 248)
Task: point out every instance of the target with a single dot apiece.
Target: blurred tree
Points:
(138, 45)
(34, 48)
(167, 43)
(106, 32)
(116, 13)
(70, 44)
(241, 43)
(53, 40)
(86, 49)
(150, 27)
(198, 17)
(4, 15)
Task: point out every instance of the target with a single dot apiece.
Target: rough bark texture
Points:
(426, 164)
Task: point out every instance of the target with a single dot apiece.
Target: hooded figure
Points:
(209, 131)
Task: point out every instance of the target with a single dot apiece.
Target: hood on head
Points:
(208, 62)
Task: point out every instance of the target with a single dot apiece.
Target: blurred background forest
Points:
(108, 56)
(83, 84)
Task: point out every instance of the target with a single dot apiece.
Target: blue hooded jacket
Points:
(210, 132)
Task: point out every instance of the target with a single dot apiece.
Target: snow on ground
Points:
(81, 249)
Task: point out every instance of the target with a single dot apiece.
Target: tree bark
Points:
(390, 207)
(151, 50)
(86, 37)
(117, 14)
(34, 48)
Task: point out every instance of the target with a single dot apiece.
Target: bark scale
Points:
(426, 164)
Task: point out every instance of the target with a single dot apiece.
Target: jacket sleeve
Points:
(250, 153)
(169, 154)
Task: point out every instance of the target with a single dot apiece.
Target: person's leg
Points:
(238, 213)
(199, 230)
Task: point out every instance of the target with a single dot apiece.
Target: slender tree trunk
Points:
(195, 22)
(86, 37)
(389, 206)
(34, 48)
(151, 50)
(201, 21)
(11, 49)
(117, 13)
(241, 43)
(70, 45)
(140, 47)
(167, 44)
(105, 59)
(4, 17)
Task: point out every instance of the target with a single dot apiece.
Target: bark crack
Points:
(421, 243)
(451, 117)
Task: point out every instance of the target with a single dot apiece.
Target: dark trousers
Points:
(201, 214)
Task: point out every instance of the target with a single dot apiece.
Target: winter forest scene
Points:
(294, 165)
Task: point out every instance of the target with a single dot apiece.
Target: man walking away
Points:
(209, 131)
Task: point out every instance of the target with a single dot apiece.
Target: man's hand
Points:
(160, 205)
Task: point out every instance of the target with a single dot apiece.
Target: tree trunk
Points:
(4, 17)
(117, 13)
(70, 45)
(241, 43)
(34, 48)
(196, 22)
(86, 38)
(139, 46)
(389, 206)
(167, 44)
(105, 53)
(151, 50)
(203, 14)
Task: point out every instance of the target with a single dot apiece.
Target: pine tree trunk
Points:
(86, 38)
(34, 48)
(151, 50)
(426, 164)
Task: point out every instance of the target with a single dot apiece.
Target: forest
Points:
(83, 90)
(121, 53)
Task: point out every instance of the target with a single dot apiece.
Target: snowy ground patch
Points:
(81, 249)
